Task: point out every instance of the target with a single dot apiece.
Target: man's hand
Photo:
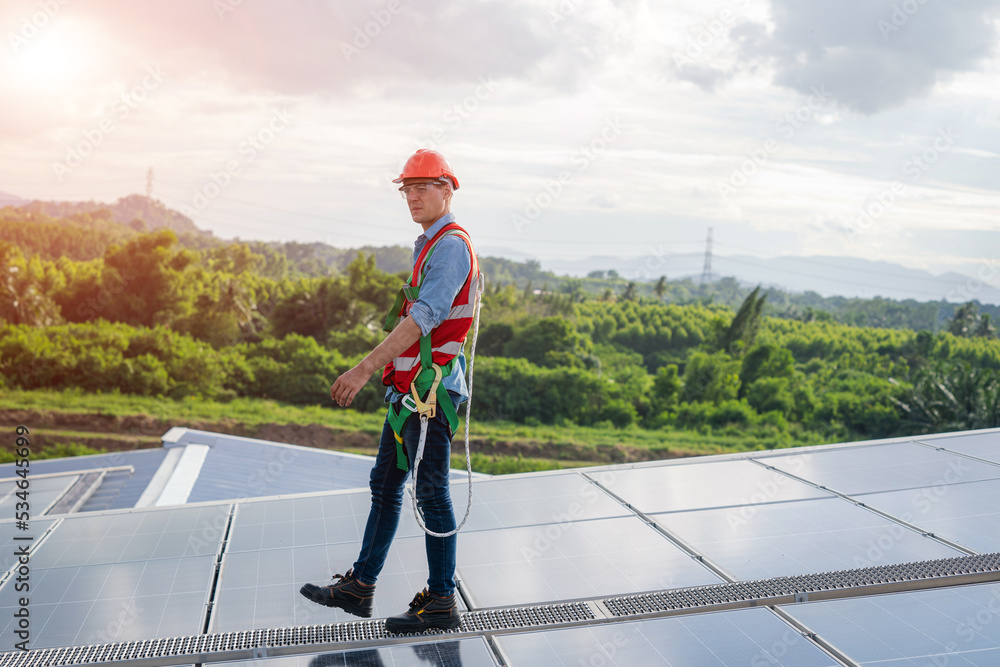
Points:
(347, 386)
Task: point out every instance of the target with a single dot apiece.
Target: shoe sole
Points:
(452, 625)
(329, 602)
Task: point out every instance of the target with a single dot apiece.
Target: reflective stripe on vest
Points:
(404, 364)
(449, 336)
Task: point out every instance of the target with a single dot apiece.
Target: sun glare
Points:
(55, 57)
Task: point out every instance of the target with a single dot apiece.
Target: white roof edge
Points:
(160, 478)
(185, 474)
(173, 436)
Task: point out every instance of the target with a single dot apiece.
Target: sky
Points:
(855, 128)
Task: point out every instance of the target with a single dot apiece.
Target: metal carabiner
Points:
(427, 408)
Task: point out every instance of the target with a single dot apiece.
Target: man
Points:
(437, 308)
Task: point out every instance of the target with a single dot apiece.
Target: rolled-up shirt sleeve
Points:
(447, 269)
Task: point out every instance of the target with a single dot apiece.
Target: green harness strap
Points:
(423, 383)
(425, 378)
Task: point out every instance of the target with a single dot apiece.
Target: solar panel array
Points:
(556, 537)
(132, 472)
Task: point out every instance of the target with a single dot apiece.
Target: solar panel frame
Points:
(717, 639)
(888, 467)
(949, 626)
(577, 560)
(981, 445)
(798, 537)
(705, 485)
(967, 514)
(260, 589)
(43, 492)
(88, 604)
(117, 536)
(471, 652)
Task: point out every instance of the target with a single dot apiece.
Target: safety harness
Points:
(426, 392)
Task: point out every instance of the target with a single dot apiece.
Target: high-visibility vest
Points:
(446, 340)
(415, 366)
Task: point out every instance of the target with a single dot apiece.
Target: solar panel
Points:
(537, 564)
(440, 653)
(339, 518)
(244, 467)
(702, 485)
(883, 468)
(8, 545)
(299, 522)
(968, 514)
(90, 604)
(524, 501)
(260, 589)
(42, 493)
(125, 488)
(983, 445)
(122, 537)
(721, 639)
(798, 537)
(953, 626)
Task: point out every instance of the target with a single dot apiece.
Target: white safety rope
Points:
(468, 411)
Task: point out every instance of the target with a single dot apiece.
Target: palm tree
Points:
(954, 396)
(743, 329)
(661, 287)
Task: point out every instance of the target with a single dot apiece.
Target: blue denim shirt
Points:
(445, 273)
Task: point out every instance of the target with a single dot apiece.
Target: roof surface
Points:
(886, 553)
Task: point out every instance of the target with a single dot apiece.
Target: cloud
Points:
(337, 47)
(874, 55)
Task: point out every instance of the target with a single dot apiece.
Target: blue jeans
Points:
(433, 498)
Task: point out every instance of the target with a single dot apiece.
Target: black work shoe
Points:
(348, 594)
(426, 611)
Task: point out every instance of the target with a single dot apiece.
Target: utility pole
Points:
(706, 273)
(149, 183)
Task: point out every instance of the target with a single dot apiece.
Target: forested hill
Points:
(143, 313)
(86, 230)
(140, 213)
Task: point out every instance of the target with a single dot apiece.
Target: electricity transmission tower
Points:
(706, 273)
(149, 183)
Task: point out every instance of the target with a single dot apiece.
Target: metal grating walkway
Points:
(255, 644)
(822, 586)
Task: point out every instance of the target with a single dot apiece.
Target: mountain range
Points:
(825, 275)
(7, 199)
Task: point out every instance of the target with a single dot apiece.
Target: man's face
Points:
(430, 205)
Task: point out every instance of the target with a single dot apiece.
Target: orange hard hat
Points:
(426, 163)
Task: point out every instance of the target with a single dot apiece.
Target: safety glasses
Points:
(419, 189)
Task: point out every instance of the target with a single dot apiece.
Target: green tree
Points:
(26, 286)
(985, 328)
(766, 360)
(661, 287)
(549, 341)
(968, 323)
(741, 333)
(955, 396)
(712, 378)
(666, 387)
(148, 278)
(314, 307)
